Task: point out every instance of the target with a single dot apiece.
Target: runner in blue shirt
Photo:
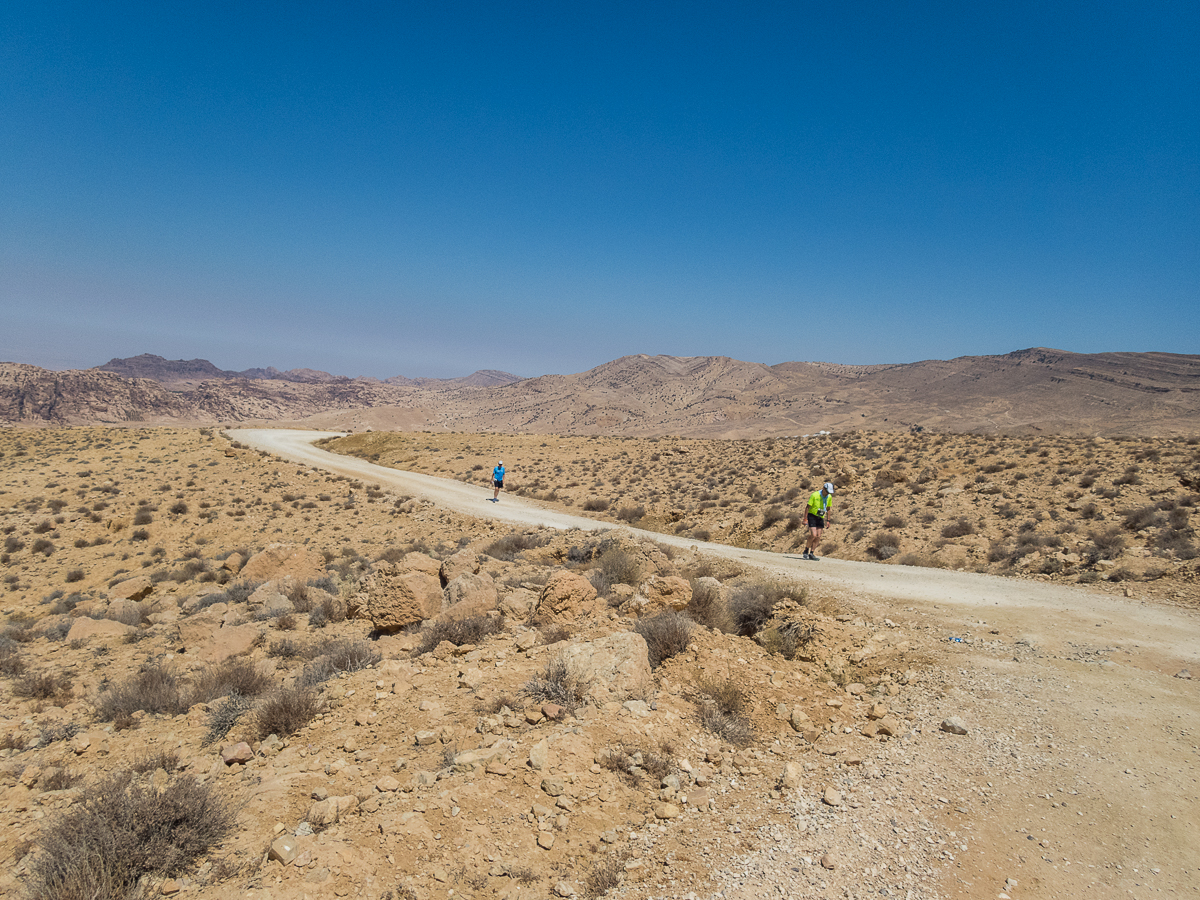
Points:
(497, 480)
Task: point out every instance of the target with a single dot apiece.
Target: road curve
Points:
(1060, 610)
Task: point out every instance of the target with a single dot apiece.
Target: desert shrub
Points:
(603, 875)
(143, 517)
(123, 828)
(894, 521)
(148, 763)
(235, 593)
(12, 544)
(154, 689)
(916, 559)
(10, 658)
(666, 633)
(43, 527)
(43, 686)
(128, 614)
(786, 639)
(140, 534)
(43, 546)
(707, 606)
(1108, 543)
(1144, 517)
(631, 513)
(75, 575)
(618, 566)
(553, 633)
(752, 600)
(223, 715)
(961, 527)
(471, 630)
(1176, 541)
(884, 545)
(286, 711)
(59, 780)
(721, 709)
(772, 516)
(559, 684)
(57, 631)
(234, 676)
(507, 547)
(595, 504)
(284, 649)
(349, 654)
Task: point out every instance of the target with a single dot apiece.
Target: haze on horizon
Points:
(427, 191)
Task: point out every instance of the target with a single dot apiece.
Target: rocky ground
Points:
(433, 766)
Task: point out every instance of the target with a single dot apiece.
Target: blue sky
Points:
(434, 188)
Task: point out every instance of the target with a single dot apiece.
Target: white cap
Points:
(829, 487)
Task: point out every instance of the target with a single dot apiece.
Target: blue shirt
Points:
(498, 473)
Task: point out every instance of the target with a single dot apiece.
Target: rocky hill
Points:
(1028, 391)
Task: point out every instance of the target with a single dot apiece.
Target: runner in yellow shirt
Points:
(818, 512)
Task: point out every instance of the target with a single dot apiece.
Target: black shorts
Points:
(815, 521)
(498, 482)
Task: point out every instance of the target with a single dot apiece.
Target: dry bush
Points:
(631, 513)
(633, 762)
(123, 828)
(707, 606)
(10, 658)
(960, 527)
(786, 639)
(349, 654)
(286, 711)
(558, 684)
(285, 649)
(471, 630)
(1108, 543)
(154, 690)
(43, 686)
(721, 710)
(618, 566)
(894, 521)
(884, 545)
(233, 676)
(506, 548)
(1144, 517)
(553, 633)
(223, 715)
(604, 875)
(167, 760)
(752, 600)
(595, 504)
(772, 516)
(667, 634)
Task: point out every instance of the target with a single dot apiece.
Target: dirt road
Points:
(1080, 774)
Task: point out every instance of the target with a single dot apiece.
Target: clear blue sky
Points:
(433, 188)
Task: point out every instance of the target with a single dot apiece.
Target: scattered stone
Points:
(832, 797)
(954, 725)
(545, 840)
(236, 753)
(829, 860)
(284, 849)
(792, 776)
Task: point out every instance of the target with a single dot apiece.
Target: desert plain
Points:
(617, 681)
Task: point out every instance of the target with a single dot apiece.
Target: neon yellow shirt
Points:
(818, 505)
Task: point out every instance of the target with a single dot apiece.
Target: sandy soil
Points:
(1078, 776)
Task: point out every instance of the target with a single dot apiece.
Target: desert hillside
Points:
(1027, 392)
(227, 675)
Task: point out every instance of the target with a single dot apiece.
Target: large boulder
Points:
(470, 595)
(518, 603)
(616, 667)
(420, 562)
(132, 589)
(206, 640)
(464, 562)
(279, 561)
(85, 629)
(659, 592)
(566, 597)
(397, 596)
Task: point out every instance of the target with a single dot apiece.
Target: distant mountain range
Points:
(175, 372)
(1035, 390)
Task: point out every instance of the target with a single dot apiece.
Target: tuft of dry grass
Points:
(666, 634)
